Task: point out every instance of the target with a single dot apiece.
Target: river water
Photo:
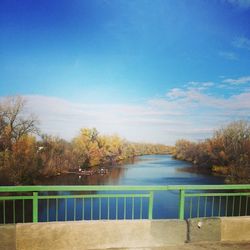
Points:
(146, 170)
(157, 170)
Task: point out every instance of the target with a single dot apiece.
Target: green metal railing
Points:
(29, 203)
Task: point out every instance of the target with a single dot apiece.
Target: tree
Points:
(227, 152)
(235, 140)
(24, 164)
(56, 155)
(14, 124)
(86, 148)
(18, 148)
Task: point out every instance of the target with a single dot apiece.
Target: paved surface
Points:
(199, 246)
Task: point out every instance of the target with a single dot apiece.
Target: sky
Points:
(147, 70)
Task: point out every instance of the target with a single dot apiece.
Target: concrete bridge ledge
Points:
(8, 237)
(100, 234)
(128, 234)
(235, 228)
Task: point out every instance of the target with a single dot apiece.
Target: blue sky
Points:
(148, 70)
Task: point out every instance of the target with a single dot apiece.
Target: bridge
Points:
(100, 217)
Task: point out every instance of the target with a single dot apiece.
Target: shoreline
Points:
(228, 179)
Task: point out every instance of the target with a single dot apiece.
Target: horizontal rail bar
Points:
(121, 188)
(217, 194)
(15, 198)
(93, 196)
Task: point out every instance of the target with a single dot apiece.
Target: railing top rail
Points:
(122, 188)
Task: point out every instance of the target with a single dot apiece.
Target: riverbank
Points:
(142, 170)
(230, 174)
(226, 153)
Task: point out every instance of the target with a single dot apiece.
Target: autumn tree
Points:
(86, 148)
(92, 149)
(18, 158)
(56, 155)
(23, 164)
(185, 150)
(14, 123)
(226, 152)
(234, 139)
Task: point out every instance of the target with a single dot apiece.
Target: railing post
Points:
(150, 205)
(181, 204)
(35, 206)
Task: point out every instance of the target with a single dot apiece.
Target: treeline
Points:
(227, 152)
(24, 157)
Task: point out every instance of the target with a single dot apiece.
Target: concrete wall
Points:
(219, 229)
(122, 234)
(8, 237)
(100, 234)
(206, 229)
(235, 229)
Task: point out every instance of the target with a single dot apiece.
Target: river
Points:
(146, 170)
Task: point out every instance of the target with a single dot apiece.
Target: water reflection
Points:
(114, 175)
(147, 170)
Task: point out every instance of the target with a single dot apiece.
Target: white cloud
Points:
(240, 3)
(242, 43)
(208, 84)
(240, 80)
(134, 122)
(228, 55)
(200, 85)
(200, 100)
(175, 93)
(192, 131)
(189, 113)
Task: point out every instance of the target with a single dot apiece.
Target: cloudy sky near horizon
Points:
(153, 71)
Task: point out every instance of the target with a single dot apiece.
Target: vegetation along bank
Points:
(226, 153)
(27, 154)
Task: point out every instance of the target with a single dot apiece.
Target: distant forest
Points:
(226, 153)
(24, 158)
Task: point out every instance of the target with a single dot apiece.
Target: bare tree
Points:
(14, 123)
